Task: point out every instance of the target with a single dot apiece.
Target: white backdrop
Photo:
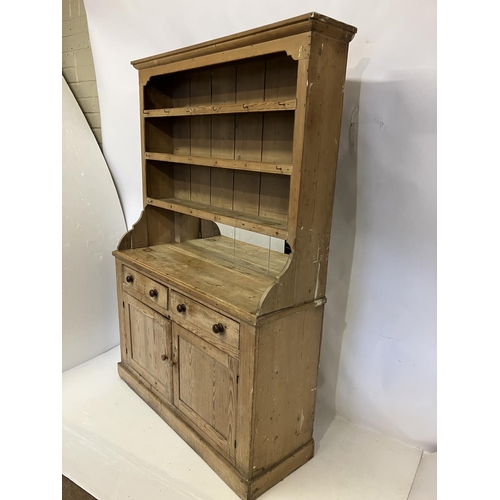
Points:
(378, 363)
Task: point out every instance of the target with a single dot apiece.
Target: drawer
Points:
(148, 289)
(211, 325)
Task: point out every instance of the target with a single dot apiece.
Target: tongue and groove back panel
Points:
(256, 136)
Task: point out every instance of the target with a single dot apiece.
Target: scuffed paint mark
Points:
(317, 280)
(317, 257)
(301, 420)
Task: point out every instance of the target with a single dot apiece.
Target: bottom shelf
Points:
(265, 225)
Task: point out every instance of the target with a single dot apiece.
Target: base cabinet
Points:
(248, 411)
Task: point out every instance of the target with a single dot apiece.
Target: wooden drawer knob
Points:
(129, 278)
(218, 328)
(181, 308)
(153, 293)
(163, 357)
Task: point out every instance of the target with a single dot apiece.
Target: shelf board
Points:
(219, 109)
(265, 225)
(251, 166)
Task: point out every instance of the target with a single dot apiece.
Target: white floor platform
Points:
(425, 483)
(116, 448)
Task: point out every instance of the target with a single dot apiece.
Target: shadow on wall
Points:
(343, 233)
(385, 205)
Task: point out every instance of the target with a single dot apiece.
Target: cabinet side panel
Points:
(286, 379)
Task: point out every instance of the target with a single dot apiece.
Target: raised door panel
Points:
(205, 388)
(149, 345)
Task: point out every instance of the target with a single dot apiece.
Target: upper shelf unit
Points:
(218, 141)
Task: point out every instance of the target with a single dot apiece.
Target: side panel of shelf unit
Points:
(317, 130)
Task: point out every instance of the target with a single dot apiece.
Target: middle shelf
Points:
(253, 137)
(252, 166)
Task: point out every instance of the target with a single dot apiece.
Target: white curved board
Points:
(92, 226)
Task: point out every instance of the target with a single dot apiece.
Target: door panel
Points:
(205, 387)
(149, 339)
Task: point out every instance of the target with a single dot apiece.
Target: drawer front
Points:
(151, 290)
(206, 320)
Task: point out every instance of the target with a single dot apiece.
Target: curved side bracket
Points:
(127, 242)
(279, 295)
(299, 52)
(154, 227)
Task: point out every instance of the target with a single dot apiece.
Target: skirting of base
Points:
(247, 489)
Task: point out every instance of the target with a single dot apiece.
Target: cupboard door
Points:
(149, 345)
(205, 387)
